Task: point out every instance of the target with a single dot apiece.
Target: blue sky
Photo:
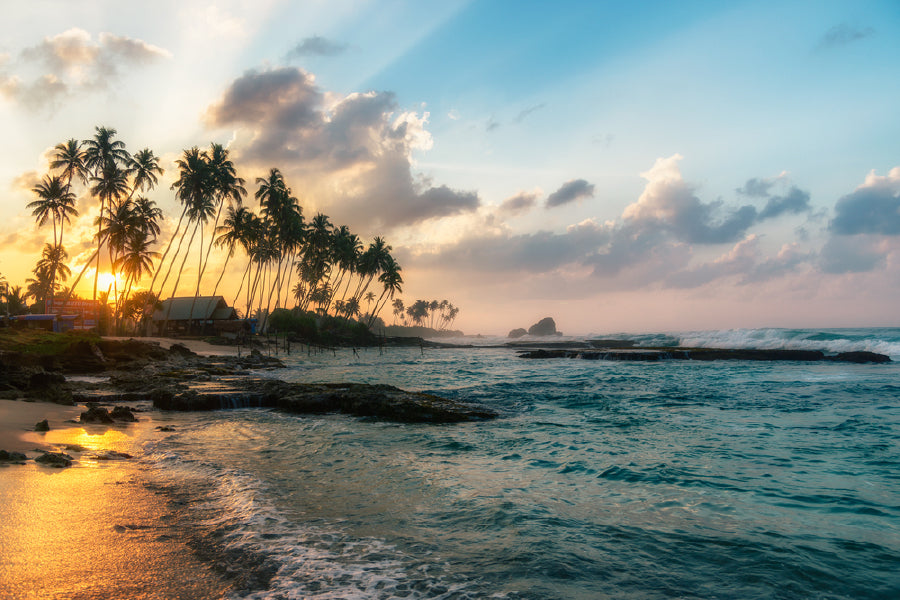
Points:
(619, 166)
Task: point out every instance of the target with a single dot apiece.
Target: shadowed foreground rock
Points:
(362, 400)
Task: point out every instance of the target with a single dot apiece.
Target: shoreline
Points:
(93, 529)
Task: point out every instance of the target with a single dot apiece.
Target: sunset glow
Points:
(619, 167)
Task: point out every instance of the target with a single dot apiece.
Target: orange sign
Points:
(88, 311)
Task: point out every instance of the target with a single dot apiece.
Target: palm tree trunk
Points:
(166, 253)
(178, 279)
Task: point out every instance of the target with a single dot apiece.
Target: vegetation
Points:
(36, 341)
(321, 271)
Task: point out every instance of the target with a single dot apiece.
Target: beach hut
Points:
(190, 315)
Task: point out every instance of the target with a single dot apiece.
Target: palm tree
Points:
(106, 158)
(144, 170)
(392, 282)
(398, 307)
(225, 186)
(70, 157)
(16, 300)
(136, 259)
(57, 204)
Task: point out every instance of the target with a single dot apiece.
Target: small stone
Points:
(42, 426)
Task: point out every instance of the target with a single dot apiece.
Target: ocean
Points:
(672, 479)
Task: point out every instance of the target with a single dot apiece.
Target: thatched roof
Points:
(207, 308)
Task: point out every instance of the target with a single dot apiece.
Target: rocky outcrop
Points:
(12, 456)
(655, 354)
(362, 400)
(96, 414)
(860, 357)
(57, 460)
(544, 327)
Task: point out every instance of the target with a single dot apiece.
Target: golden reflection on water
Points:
(86, 533)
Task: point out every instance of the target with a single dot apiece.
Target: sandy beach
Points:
(91, 530)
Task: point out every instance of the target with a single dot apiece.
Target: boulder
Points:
(517, 333)
(181, 350)
(57, 460)
(860, 357)
(12, 456)
(544, 327)
(96, 414)
(42, 426)
(122, 413)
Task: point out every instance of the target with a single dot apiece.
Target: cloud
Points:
(357, 149)
(537, 252)
(669, 203)
(317, 46)
(570, 191)
(794, 202)
(844, 34)
(857, 254)
(519, 203)
(874, 207)
(73, 62)
(653, 244)
(756, 187)
(526, 112)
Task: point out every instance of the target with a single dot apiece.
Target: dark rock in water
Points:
(705, 354)
(122, 413)
(96, 414)
(42, 426)
(517, 333)
(612, 344)
(12, 456)
(112, 455)
(55, 459)
(381, 401)
(544, 327)
(860, 357)
(165, 428)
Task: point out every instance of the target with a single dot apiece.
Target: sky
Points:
(618, 166)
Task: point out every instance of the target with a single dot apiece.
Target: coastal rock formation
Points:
(543, 328)
(42, 426)
(57, 460)
(706, 354)
(12, 456)
(362, 400)
(96, 414)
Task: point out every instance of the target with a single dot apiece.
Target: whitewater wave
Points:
(883, 340)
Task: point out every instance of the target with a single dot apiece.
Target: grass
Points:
(44, 343)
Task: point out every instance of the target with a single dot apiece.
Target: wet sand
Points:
(92, 530)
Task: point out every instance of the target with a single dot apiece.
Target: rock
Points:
(42, 426)
(860, 357)
(96, 414)
(122, 413)
(12, 456)
(517, 333)
(544, 327)
(181, 350)
(164, 428)
(112, 455)
(57, 460)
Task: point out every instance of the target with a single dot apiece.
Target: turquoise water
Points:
(600, 480)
